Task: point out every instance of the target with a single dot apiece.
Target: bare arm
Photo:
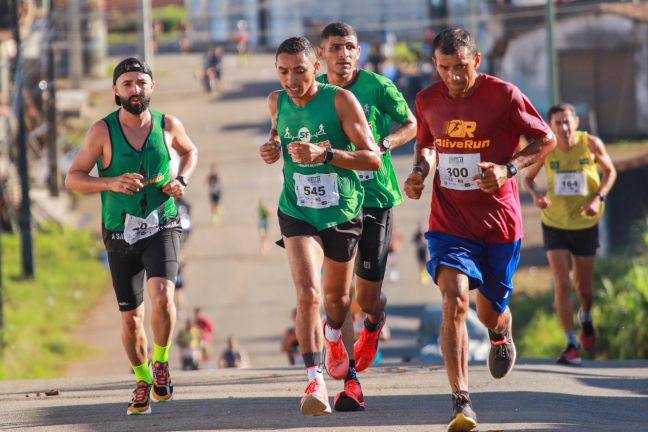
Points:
(608, 177)
(365, 157)
(539, 200)
(404, 133)
(424, 163)
(187, 151)
(493, 176)
(96, 145)
(271, 150)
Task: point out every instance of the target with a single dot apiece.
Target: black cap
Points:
(130, 64)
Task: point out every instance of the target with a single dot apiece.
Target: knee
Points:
(562, 286)
(163, 301)
(131, 323)
(490, 319)
(455, 304)
(308, 298)
(338, 301)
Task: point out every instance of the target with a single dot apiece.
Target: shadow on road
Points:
(568, 412)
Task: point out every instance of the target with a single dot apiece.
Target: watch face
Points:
(386, 144)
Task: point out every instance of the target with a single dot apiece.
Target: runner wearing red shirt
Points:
(469, 129)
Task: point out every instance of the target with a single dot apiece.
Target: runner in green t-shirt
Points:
(313, 126)
(130, 146)
(382, 103)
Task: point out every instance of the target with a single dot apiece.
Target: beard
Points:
(136, 108)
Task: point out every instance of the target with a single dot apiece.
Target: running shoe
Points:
(464, 419)
(587, 336)
(315, 400)
(351, 398)
(570, 356)
(162, 390)
(140, 402)
(501, 358)
(337, 358)
(366, 347)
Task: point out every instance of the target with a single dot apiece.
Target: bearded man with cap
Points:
(130, 147)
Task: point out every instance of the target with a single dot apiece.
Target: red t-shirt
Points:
(485, 126)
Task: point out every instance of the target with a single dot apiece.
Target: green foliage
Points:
(42, 314)
(170, 16)
(405, 53)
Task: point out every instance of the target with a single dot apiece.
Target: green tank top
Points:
(382, 102)
(572, 179)
(152, 161)
(322, 195)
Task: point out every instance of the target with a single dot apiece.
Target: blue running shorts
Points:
(489, 266)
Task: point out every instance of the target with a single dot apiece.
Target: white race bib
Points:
(456, 170)
(316, 190)
(136, 228)
(365, 175)
(568, 183)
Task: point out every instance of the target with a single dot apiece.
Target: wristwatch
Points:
(183, 180)
(511, 170)
(601, 196)
(328, 155)
(385, 144)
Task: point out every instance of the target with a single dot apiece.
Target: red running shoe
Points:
(571, 356)
(587, 336)
(366, 347)
(349, 399)
(315, 399)
(337, 358)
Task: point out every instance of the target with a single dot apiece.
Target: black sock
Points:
(352, 372)
(312, 359)
(371, 326)
(333, 324)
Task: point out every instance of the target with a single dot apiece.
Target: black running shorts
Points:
(157, 256)
(339, 241)
(373, 247)
(582, 242)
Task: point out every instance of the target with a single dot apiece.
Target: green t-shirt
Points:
(151, 161)
(382, 102)
(322, 195)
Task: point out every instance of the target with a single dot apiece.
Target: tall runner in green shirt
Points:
(313, 127)
(382, 103)
(130, 147)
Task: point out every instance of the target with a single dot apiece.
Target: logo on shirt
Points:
(303, 134)
(461, 129)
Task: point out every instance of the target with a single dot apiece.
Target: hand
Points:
(127, 183)
(542, 202)
(270, 151)
(303, 152)
(414, 185)
(592, 207)
(174, 188)
(492, 177)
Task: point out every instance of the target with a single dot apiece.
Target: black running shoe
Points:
(502, 354)
(464, 419)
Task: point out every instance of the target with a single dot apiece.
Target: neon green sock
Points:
(142, 372)
(160, 353)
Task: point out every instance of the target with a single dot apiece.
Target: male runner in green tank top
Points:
(382, 103)
(313, 127)
(141, 232)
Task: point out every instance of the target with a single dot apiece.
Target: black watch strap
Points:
(183, 180)
(328, 155)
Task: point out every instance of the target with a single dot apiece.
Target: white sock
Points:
(584, 316)
(314, 372)
(332, 334)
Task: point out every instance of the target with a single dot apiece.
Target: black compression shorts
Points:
(157, 256)
(339, 241)
(582, 242)
(373, 247)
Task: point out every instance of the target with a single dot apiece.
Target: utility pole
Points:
(146, 30)
(75, 54)
(53, 177)
(23, 166)
(553, 86)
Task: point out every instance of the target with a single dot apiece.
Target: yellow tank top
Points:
(572, 179)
